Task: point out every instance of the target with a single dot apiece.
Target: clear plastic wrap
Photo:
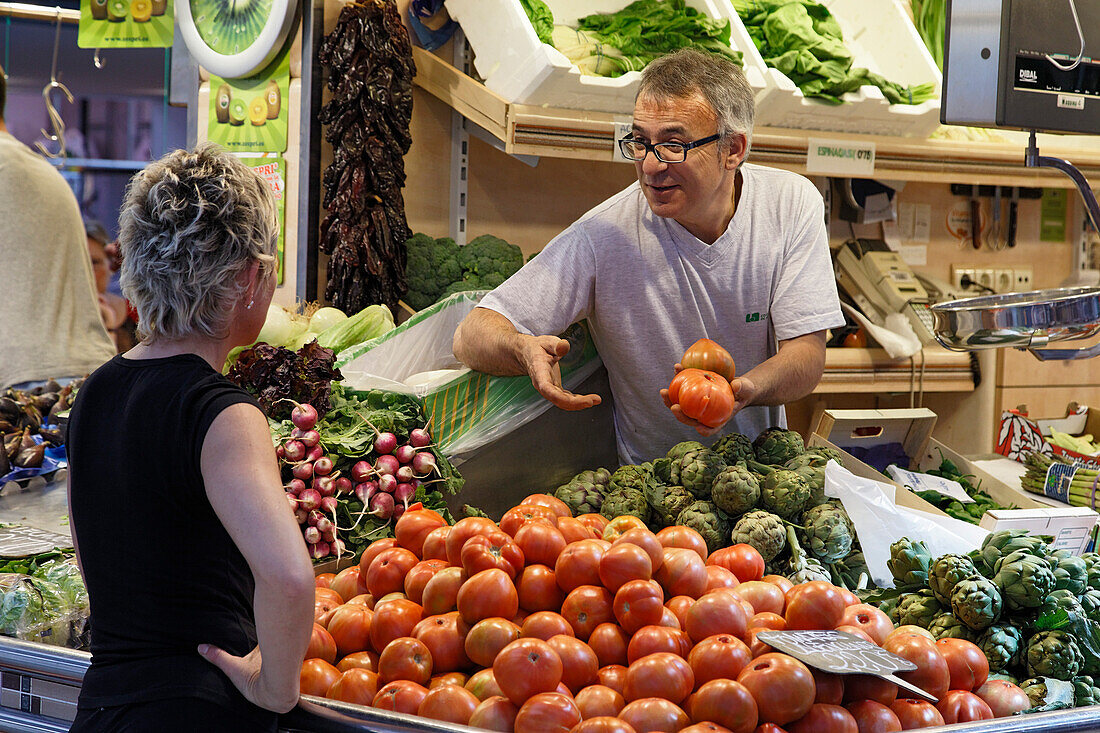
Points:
(34, 609)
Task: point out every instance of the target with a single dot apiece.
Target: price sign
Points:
(17, 540)
(841, 653)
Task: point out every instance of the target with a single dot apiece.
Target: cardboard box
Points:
(1071, 527)
(1001, 492)
(1021, 434)
(869, 428)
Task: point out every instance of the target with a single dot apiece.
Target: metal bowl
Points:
(1022, 320)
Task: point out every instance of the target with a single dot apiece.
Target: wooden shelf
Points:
(563, 133)
(851, 371)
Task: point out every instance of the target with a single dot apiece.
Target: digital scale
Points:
(1032, 65)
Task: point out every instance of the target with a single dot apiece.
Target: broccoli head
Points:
(470, 282)
(433, 264)
(487, 254)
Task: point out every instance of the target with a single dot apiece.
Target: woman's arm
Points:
(242, 483)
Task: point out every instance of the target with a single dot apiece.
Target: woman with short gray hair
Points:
(205, 625)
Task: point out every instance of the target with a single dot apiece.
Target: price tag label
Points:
(17, 540)
(840, 158)
(1059, 477)
(926, 482)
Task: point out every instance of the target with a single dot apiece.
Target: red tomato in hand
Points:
(782, 686)
(709, 356)
(960, 706)
(916, 714)
(703, 396)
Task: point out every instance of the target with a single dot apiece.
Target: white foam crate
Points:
(882, 38)
(517, 66)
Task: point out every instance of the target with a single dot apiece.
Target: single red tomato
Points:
(757, 646)
(419, 576)
(358, 686)
(520, 515)
(916, 714)
(548, 712)
(448, 678)
(322, 645)
(586, 607)
(782, 686)
(445, 637)
(638, 603)
(323, 580)
(726, 703)
(719, 577)
(527, 667)
(392, 620)
(325, 599)
(767, 620)
(784, 584)
(367, 660)
(598, 700)
(579, 564)
(580, 666)
(869, 687)
(559, 507)
(538, 589)
(652, 639)
(487, 637)
(714, 613)
(574, 530)
(372, 551)
(824, 718)
(346, 583)
(679, 606)
(400, 696)
(435, 544)
(386, 573)
(871, 620)
(1003, 697)
(449, 703)
(623, 563)
(814, 605)
(709, 356)
(317, 676)
(616, 526)
(603, 724)
(646, 540)
(495, 713)
(932, 673)
(659, 675)
(721, 656)
(596, 522)
(966, 663)
(488, 594)
(349, 627)
(873, 717)
(483, 684)
(702, 396)
(462, 531)
(670, 619)
(743, 560)
(683, 537)
(413, 526)
(491, 550)
(613, 676)
(654, 714)
(829, 687)
(544, 624)
(406, 658)
(440, 593)
(541, 543)
(609, 642)
(960, 706)
(682, 573)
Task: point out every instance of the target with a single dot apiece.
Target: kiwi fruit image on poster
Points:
(125, 24)
(250, 114)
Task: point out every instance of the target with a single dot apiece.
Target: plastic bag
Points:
(34, 609)
(880, 522)
(66, 574)
(467, 409)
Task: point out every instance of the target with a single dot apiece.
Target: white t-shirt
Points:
(650, 289)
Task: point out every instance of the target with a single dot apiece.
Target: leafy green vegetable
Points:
(930, 18)
(276, 375)
(541, 18)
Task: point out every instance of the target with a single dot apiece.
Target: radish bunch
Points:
(387, 484)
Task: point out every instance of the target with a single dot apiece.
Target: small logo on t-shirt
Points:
(755, 317)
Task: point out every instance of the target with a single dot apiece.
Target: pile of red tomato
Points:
(548, 622)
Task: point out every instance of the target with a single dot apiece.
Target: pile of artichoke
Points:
(1034, 611)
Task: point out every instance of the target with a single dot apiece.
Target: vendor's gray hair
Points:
(719, 80)
(190, 223)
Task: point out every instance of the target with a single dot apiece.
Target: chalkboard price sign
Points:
(842, 653)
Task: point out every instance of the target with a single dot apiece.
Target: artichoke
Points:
(764, 531)
(1001, 644)
(1048, 693)
(1006, 541)
(806, 460)
(1090, 603)
(802, 567)
(1058, 601)
(827, 533)
(829, 454)
(696, 471)
(947, 626)
(679, 450)
(1070, 572)
(784, 493)
(1085, 691)
(1024, 580)
(918, 609)
(946, 572)
(625, 502)
(1053, 654)
(776, 446)
(734, 447)
(735, 490)
(629, 477)
(662, 470)
(667, 502)
(585, 492)
(909, 562)
(708, 520)
(890, 608)
(976, 602)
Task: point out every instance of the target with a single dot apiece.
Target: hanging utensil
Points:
(975, 218)
(1012, 213)
(56, 123)
(994, 240)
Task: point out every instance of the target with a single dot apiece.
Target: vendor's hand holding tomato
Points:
(705, 394)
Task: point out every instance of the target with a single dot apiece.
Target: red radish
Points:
(365, 491)
(387, 483)
(280, 452)
(309, 499)
(322, 466)
(404, 474)
(304, 416)
(312, 535)
(315, 516)
(403, 493)
(385, 443)
(419, 438)
(423, 463)
(321, 549)
(404, 453)
(325, 485)
(302, 471)
(296, 486)
(310, 438)
(323, 524)
(293, 501)
(328, 505)
(329, 535)
(312, 454)
(398, 510)
(302, 516)
(381, 505)
(386, 464)
(343, 485)
(338, 547)
(362, 471)
(294, 450)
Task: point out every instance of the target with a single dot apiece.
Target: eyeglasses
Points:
(665, 152)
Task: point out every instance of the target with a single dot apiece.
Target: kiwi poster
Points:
(273, 170)
(250, 114)
(125, 24)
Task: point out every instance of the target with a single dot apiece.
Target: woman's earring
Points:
(249, 306)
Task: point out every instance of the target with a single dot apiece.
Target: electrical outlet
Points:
(985, 278)
(1004, 280)
(1022, 279)
(957, 273)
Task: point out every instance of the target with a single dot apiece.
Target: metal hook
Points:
(58, 125)
(99, 62)
(1080, 34)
